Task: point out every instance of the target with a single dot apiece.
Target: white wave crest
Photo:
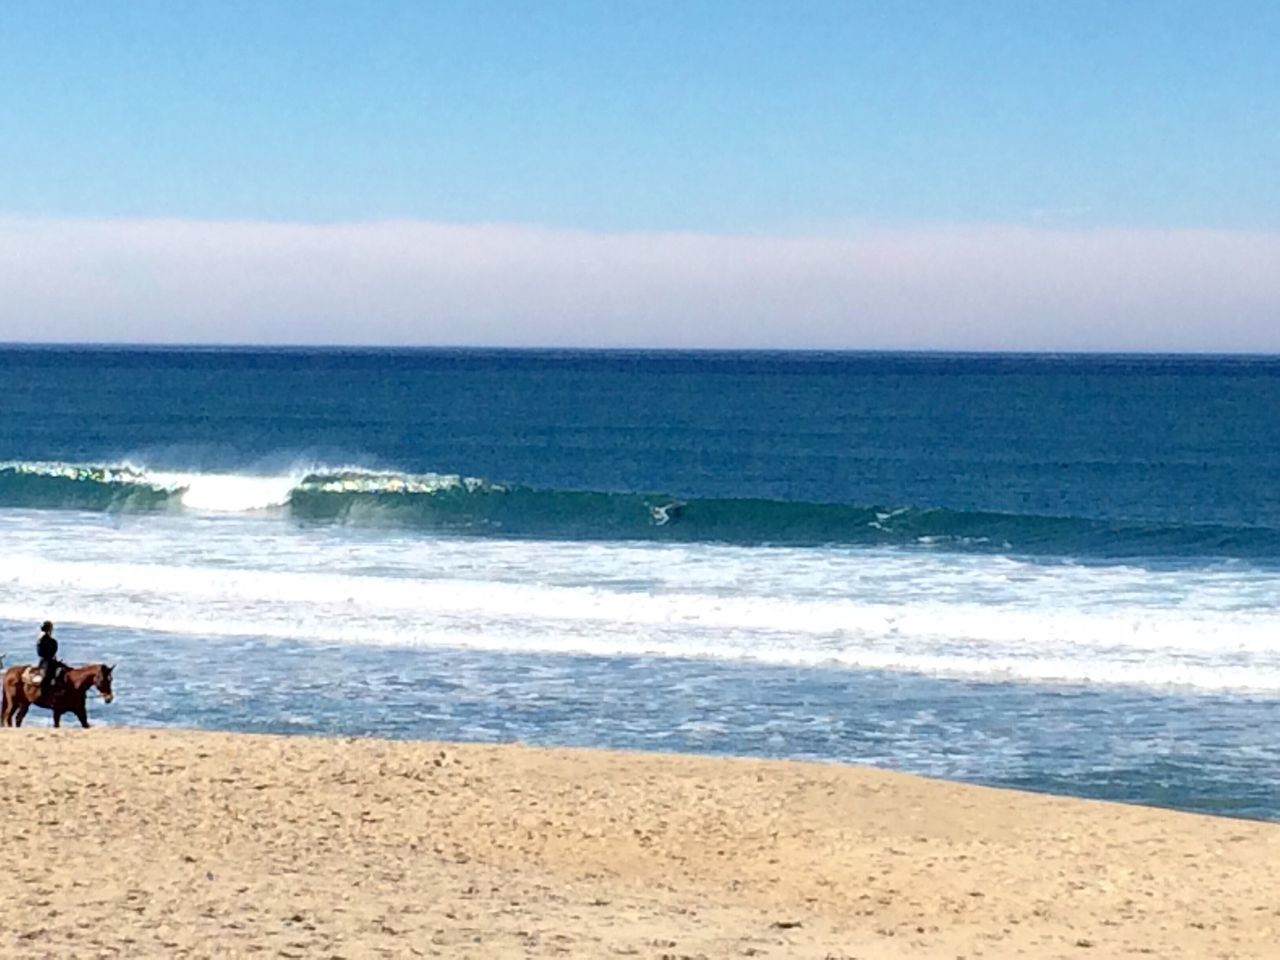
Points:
(248, 492)
(91, 472)
(359, 480)
(228, 493)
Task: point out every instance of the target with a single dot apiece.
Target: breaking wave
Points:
(449, 503)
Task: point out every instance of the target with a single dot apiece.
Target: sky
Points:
(923, 175)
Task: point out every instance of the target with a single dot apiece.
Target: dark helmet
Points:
(46, 627)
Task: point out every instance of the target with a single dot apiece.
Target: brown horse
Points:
(67, 697)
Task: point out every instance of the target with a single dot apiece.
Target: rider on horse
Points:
(47, 651)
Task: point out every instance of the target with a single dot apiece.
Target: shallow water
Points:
(1205, 752)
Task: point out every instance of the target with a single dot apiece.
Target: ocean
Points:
(1056, 573)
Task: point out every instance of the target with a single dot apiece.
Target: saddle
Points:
(34, 676)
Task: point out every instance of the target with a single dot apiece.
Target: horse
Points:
(67, 697)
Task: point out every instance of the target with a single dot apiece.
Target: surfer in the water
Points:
(666, 513)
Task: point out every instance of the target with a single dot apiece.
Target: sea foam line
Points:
(1204, 649)
(1203, 678)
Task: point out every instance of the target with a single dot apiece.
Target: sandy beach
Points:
(139, 843)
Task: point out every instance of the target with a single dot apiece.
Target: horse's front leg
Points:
(82, 714)
(57, 718)
(20, 714)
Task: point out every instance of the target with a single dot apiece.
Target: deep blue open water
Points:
(1053, 572)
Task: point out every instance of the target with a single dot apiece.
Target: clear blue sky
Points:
(730, 116)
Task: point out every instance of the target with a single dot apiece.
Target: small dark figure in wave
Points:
(666, 513)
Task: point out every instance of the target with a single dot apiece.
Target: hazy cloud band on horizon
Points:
(421, 283)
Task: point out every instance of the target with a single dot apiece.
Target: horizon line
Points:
(142, 346)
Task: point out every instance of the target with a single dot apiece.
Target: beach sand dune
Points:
(136, 843)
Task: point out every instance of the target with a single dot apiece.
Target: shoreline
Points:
(188, 843)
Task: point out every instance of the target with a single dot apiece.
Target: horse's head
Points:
(102, 680)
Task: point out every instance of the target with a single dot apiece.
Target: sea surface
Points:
(1058, 573)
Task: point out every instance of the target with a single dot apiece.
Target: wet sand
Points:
(186, 844)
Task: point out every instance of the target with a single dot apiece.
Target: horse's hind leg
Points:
(57, 718)
(20, 714)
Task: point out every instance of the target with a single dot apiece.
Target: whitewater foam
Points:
(976, 617)
(244, 492)
(227, 493)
